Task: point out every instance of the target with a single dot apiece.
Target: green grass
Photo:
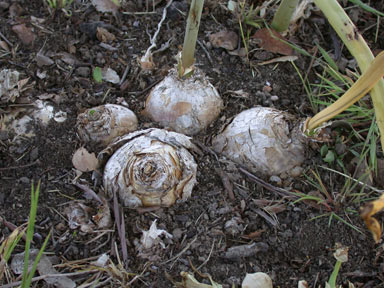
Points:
(9, 245)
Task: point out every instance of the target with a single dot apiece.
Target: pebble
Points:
(340, 148)
(3, 135)
(276, 180)
(34, 154)
(274, 98)
(24, 180)
(296, 172)
(4, 5)
(177, 233)
(83, 72)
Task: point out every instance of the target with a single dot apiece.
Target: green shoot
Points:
(367, 7)
(185, 65)
(355, 43)
(283, 15)
(27, 275)
(54, 4)
(341, 256)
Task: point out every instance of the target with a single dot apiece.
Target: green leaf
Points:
(323, 150)
(330, 157)
(97, 75)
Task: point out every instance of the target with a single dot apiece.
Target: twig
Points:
(5, 39)
(124, 74)
(268, 186)
(148, 53)
(88, 191)
(206, 52)
(20, 166)
(209, 256)
(181, 252)
(353, 179)
(38, 278)
(138, 93)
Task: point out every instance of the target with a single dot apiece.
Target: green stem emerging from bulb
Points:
(192, 29)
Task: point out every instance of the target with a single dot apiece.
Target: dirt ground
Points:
(297, 238)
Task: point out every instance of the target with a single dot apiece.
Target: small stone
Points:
(83, 71)
(340, 148)
(274, 98)
(34, 154)
(267, 88)
(3, 135)
(61, 226)
(275, 179)
(177, 234)
(24, 180)
(4, 5)
(296, 171)
(100, 58)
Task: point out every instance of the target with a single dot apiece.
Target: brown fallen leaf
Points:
(254, 235)
(269, 40)
(368, 211)
(84, 161)
(104, 35)
(24, 33)
(106, 6)
(224, 39)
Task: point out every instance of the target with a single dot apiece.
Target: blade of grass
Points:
(367, 7)
(359, 49)
(363, 85)
(36, 262)
(30, 229)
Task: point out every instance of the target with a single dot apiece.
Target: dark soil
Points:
(299, 235)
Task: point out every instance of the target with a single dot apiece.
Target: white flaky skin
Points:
(152, 167)
(260, 139)
(257, 280)
(186, 106)
(102, 124)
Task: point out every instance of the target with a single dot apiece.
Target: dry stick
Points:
(209, 256)
(181, 252)
(89, 191)
(5, 39)
(119, 218)
(353, 179)
(281, 191)
(20, 166)
(206, 52)
(42, 277)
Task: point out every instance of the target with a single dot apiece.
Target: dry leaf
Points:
(44, 266)
(110, 75)
(42, 60)
(341, 253)
(4, 46)
(368, 211)
(106, 6)
(24, 33)
(271, 42)
(84, 161)
(224, 39)
(151, 238)
(104, 35)
(78, 216)
(279, 59)
(253, 235)
(190, 282)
